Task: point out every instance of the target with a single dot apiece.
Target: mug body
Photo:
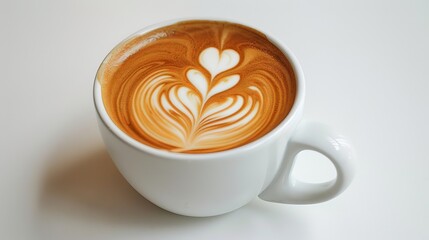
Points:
(201, 184)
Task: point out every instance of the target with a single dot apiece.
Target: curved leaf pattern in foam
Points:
(186, 112)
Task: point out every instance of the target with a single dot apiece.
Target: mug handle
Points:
(320, 138)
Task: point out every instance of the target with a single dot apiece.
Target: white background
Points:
(366, 66)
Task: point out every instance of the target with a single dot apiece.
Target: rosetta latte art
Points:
(196, 124)
(217, 100)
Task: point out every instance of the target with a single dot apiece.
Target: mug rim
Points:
(287, 121)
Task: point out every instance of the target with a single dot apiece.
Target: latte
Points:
(197, 86)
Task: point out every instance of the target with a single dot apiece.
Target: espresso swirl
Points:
(197, 86)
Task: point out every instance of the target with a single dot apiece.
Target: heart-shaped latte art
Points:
(188, 112)
(216, 62)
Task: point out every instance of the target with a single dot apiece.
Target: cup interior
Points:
(293, 114)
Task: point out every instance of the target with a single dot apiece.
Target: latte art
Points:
(187, 112)
(197, 86)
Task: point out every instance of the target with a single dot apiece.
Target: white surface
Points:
(366, 72)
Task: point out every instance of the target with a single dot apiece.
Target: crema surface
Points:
(197, 86)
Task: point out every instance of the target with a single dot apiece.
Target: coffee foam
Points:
(197, 86)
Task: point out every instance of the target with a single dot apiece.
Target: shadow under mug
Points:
(216, 183)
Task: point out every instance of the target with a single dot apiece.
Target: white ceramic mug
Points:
(215, 183)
